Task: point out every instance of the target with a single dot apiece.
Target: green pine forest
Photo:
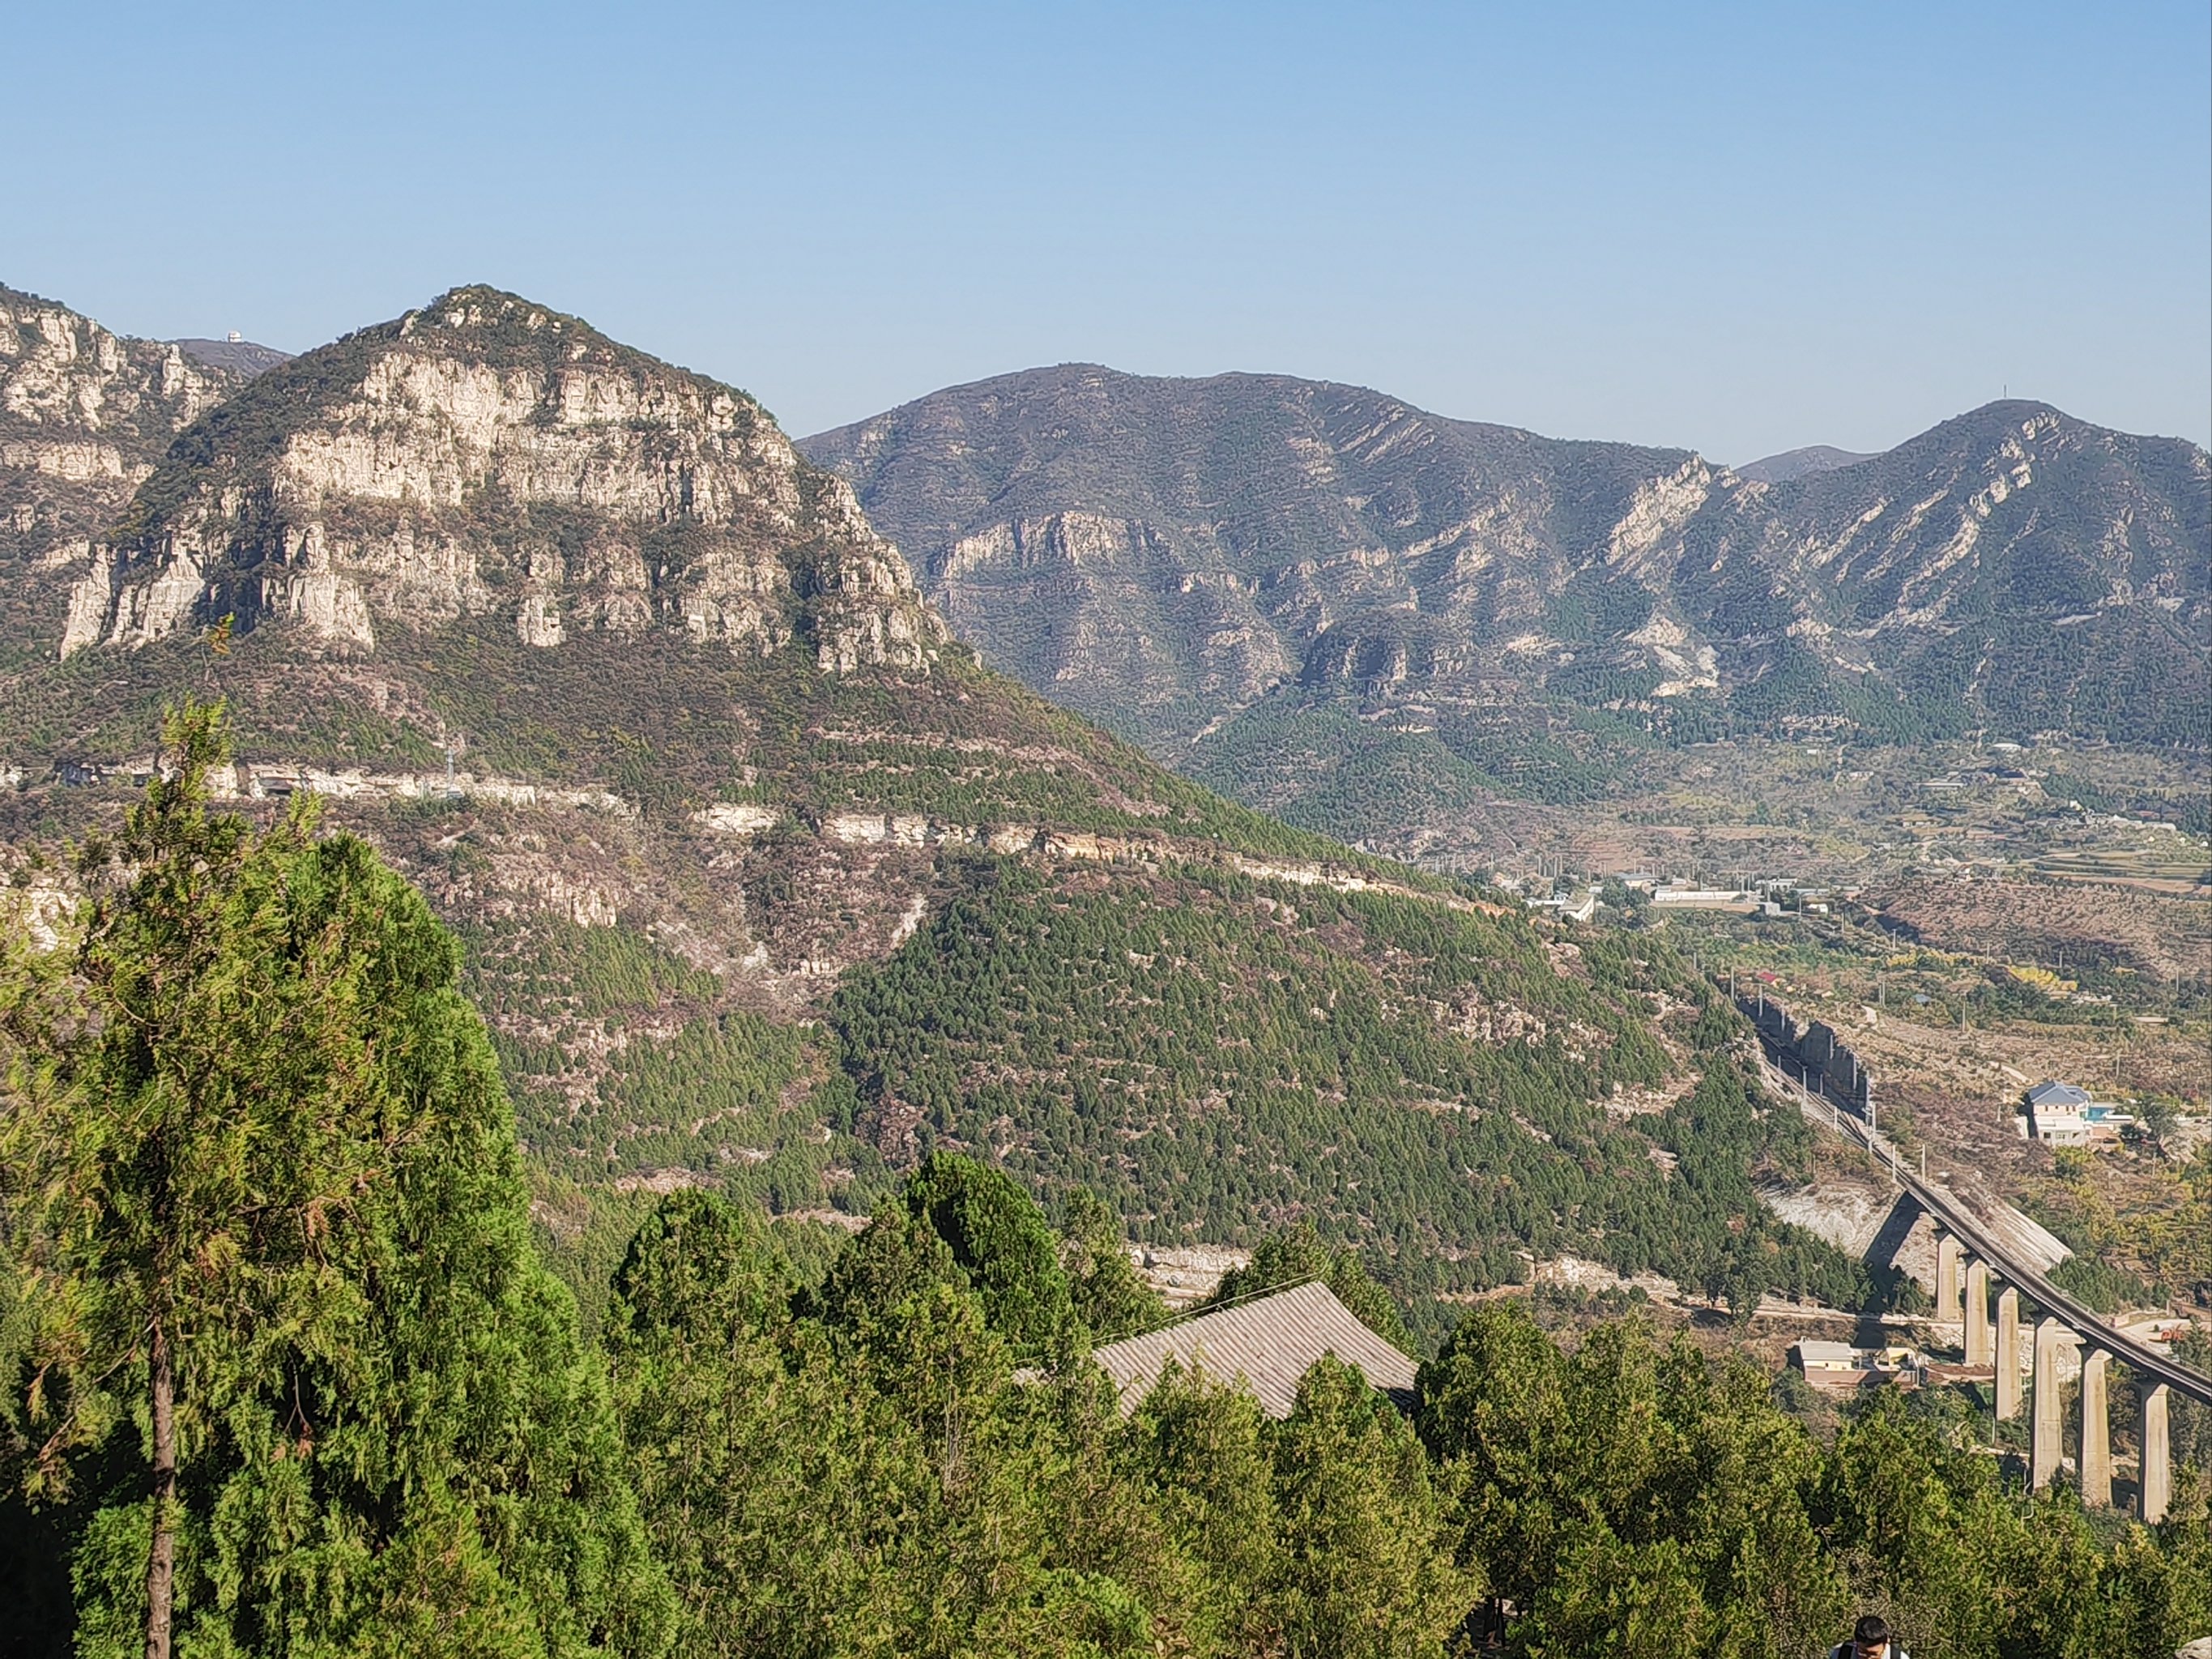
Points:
(289, 1370)
(1212, 1054)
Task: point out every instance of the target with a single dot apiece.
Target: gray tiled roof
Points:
(2055, 1094)
(1267, 1345)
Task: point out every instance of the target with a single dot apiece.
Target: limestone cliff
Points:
(488, 461)
(85, 415)
(1162, 553)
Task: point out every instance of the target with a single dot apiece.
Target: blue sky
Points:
(1738, 227)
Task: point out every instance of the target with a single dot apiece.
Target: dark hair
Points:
(1871, 1631)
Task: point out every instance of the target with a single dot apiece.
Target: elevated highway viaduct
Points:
(1975, 1267)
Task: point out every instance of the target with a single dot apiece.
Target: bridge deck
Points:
(2139, 1356)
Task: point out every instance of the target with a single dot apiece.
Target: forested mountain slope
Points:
(1291, 589)
(766, 882)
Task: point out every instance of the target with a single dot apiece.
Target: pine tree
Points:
(266, 1198)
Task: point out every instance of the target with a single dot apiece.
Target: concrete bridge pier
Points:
(2156, 1488)
(1979, 1352)
(2008, 1357)
(1947, 1278)
(2096, 1460)
(2047, 1438)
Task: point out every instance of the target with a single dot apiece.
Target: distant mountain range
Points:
(1796, 463)
(240, 357)
(1340, 606)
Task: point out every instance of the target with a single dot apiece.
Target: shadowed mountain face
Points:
(240, 357)
(1797, 463)
(1277, 584)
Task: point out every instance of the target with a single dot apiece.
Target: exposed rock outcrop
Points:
(85, 416)
(487, 459)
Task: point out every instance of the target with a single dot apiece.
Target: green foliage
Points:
(1359, 1574)
(877, 1481)
(1297, 1256)
(263, 1183)
(1109, 1295)
(2098, 1284)
(596, 1096)
(862, 1472)
(1000, 1241)
(1210, 1052)
(1721, 1136)
(1633, 1490)
(1314, 761)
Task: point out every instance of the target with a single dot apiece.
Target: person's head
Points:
(1871, 1637)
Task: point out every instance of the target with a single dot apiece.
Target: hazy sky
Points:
(1740, 227)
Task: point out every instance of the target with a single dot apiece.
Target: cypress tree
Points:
(267, 1206)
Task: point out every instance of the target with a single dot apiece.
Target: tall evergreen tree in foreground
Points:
(266, 1205)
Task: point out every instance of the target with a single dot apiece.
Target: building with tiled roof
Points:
(1265, 1347)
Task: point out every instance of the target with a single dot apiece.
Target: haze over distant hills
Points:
(1797, 463)
(1289, 587)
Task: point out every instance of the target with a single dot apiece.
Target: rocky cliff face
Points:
(1161, 554)
(487, 461)
(85, 416)
(80, 404)
(2013, 567)
(1173, 556)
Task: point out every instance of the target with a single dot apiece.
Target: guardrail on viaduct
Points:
(1835, 1088)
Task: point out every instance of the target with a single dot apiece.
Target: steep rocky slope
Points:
(2013, 567)
(765, 881)
(483, 458)
(1160, 553)
(1293, 590)
(85, 416)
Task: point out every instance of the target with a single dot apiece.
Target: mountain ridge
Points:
(1243, 573)
(1789, 464)
(554, 416)
(247, 358)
